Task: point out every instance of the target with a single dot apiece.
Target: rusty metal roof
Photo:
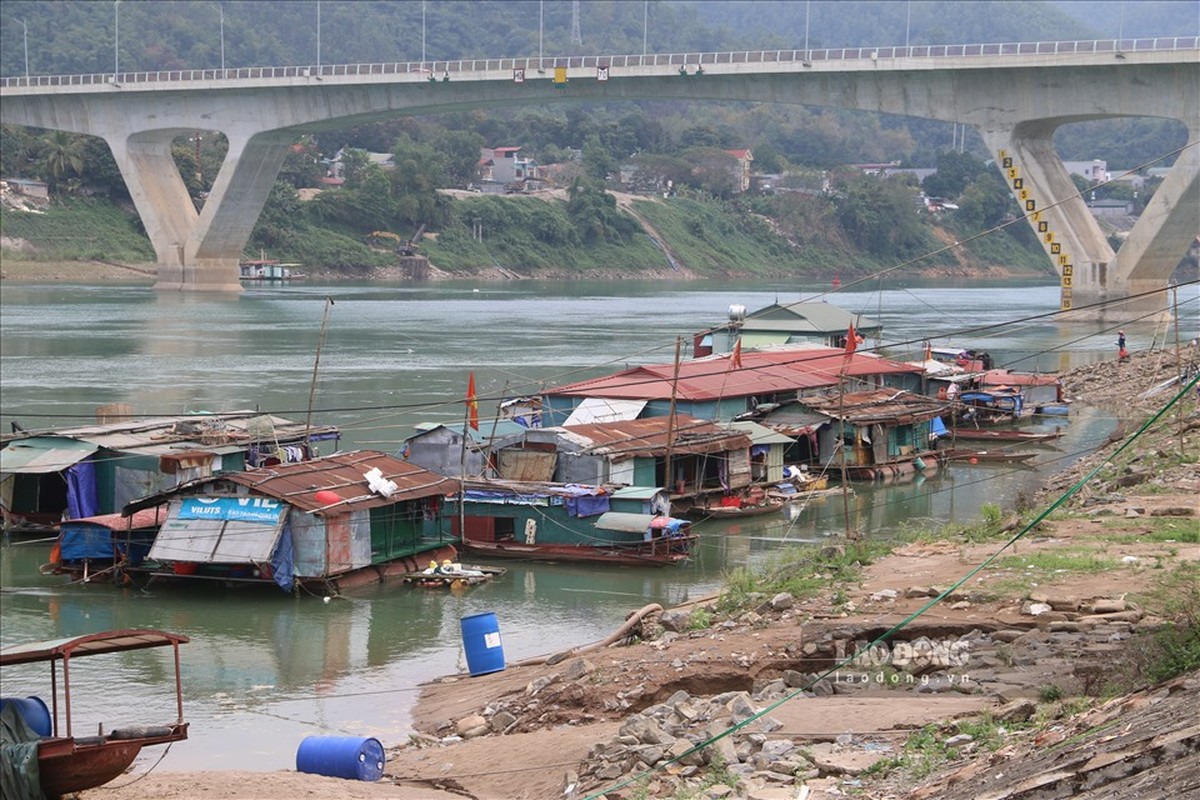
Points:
(343, 474)
(762, 372)
(225, 432)
(877, 406)
(649, 436)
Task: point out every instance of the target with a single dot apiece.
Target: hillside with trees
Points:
(819, 212)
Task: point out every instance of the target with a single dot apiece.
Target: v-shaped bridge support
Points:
(199, 251)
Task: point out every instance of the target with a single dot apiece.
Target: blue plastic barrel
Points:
(353, 757)
(481, 640)
(33, 711)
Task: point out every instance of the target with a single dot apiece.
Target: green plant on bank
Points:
(925, 750)
(1050, 693)
(700, 619)
(1175, 647)
(1153, 529)
(716, 773)
(77, 229)
(800, 571)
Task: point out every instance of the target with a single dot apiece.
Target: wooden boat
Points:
(457, 577)
(574, 523)
(704, 511)
(68, 763)
(1005, 435)
(983, 456)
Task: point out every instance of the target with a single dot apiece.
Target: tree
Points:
(598, 163)
(880, 216)
(17, 150)
(954, 172)
(984, 203)
(594, 213)
(302, 166)
(60, 156)
(460, 156)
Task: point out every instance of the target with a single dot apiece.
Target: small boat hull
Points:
(989, 456)
(662, 556)
(978, 435)
(68, 765)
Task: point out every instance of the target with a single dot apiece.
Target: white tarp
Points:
(599, 409)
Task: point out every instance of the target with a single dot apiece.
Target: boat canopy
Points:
(624, 521)
(87, 645)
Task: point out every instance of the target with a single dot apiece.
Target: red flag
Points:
(472, 403)
(735, 360)
(851, 340)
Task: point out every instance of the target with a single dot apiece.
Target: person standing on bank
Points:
(1122, 353)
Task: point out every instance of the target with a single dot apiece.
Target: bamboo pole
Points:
(671, 418)
(312, 388)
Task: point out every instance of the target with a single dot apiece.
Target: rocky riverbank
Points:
(996, 687)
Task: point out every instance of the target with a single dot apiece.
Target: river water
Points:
(263, 669)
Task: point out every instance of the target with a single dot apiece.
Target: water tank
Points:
(737, 313)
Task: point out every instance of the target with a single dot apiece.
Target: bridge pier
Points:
(199, 251)
(1112, 285)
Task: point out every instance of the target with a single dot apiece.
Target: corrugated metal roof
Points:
(43, 454)
(772, 371)
(145, 518)
(877, 406)
(760, 434)
(88, 644)
(342, 474)
(227, 432)
(648, 437)
(812, 316)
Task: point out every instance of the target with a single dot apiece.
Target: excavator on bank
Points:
(402, 247)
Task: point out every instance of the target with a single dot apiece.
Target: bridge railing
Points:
(431, 70)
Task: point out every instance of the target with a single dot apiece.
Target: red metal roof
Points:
(649, 436)
(342, 474)
(145, 518)
(762, 372)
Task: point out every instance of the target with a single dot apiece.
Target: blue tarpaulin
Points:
(585, 505)
(937, 428)
(81, 490)
(282, 565)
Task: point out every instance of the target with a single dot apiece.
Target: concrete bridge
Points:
(1015, 95)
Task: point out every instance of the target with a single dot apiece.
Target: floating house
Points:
(877, 434)
(103, 547)
(689, 456)
(84, 471)
(813, 322)
(628, 526)
(335, 522)
(724, 387)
